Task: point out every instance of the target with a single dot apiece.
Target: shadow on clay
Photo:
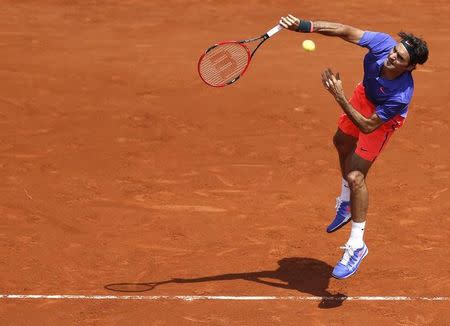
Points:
(306, 275)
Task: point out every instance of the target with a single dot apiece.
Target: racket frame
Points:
(242, 43)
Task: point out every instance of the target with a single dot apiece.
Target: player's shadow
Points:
(306, 275)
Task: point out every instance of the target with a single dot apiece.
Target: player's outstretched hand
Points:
(333, 83)
(290, 22)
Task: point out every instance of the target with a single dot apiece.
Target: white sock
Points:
(357, 234)
(345, 191)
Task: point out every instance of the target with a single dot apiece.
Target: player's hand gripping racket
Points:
(225, 62)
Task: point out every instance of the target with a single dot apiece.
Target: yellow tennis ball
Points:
(308, 45)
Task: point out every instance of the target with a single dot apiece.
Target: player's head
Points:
(406, 54)
(416, 48)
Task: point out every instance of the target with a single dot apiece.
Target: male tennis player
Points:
(378, 107)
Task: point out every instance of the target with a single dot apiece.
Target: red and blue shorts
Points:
(369, 146)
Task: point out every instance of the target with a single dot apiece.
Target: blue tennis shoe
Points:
(350, 262)
(343, 215)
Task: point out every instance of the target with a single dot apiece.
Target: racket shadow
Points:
(133, 287)
(306, 275)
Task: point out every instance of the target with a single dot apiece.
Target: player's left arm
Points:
(333, 84)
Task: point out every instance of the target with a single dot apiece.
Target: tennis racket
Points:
(225, 62)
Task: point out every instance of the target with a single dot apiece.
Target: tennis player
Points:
(377, 108)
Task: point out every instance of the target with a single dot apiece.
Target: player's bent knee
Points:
(355, 179)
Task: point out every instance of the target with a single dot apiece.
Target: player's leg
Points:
(356, 169)
(345, 145)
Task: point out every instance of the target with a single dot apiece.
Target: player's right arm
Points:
(346, 32)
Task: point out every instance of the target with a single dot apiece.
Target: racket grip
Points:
(274, 30)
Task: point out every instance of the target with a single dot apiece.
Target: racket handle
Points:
(274, 30)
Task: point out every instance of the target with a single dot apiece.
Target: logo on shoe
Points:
(361, 252)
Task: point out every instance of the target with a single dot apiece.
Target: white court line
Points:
(212, 297)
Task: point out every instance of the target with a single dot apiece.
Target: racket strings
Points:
(224, 63)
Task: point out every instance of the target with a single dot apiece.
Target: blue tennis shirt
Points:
(390, 97)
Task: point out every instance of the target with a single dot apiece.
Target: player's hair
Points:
(419, 47)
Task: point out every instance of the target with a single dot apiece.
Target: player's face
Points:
(398, 58)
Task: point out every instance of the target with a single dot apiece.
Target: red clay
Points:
(120, 166)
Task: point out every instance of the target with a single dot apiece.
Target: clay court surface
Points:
(118, 165)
